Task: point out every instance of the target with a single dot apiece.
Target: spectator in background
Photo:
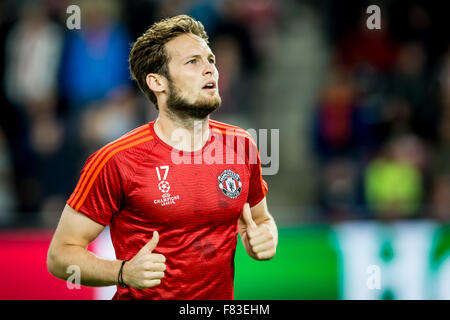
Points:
(369, 56)
(372, 50)
(259, 19)
(342, 139)
(411, 83)
(95, 81)
(420, 22)
(33, 52)
(33, 48)
(95, 58)
(394, 184)
(334, 116)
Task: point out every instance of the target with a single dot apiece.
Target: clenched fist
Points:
(260, 237)
(146, 269)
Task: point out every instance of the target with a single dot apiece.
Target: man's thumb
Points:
(247, 215)
(151, 245)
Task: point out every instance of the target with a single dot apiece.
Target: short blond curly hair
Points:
(148, 54)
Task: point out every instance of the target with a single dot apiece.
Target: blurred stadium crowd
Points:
(65, 93)
(381, 128)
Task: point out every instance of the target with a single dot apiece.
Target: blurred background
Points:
(362, 194)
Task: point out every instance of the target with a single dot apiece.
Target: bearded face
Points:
(185, 108)
(192, 81)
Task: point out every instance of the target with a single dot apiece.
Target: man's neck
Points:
(182, 134)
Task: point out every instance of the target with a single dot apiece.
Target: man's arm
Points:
(69, 247)
(258, 231)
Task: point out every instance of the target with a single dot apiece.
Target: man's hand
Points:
(260, 238)
(146, 269)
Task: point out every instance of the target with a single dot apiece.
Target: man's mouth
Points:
(210, 86)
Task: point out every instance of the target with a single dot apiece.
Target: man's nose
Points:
(209, 69)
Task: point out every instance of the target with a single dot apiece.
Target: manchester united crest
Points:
(230, 184)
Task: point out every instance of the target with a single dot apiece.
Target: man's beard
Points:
(184, 110)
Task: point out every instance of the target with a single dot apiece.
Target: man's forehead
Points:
(185, 45)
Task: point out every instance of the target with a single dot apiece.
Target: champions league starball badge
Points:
(230, 184)
(164, 186)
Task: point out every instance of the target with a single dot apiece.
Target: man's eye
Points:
(212, 61)
(192, 61)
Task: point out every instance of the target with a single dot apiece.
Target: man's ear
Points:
(155, 82)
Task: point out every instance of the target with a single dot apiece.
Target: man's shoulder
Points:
(225, 126)
(231, 130)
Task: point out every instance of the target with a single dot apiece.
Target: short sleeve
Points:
(258, 187)
(99, 191)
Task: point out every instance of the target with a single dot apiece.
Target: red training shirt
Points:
(138, 184)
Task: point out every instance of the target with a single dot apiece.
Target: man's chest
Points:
(189, 194)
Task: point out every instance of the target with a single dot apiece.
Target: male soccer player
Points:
(176, 191)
